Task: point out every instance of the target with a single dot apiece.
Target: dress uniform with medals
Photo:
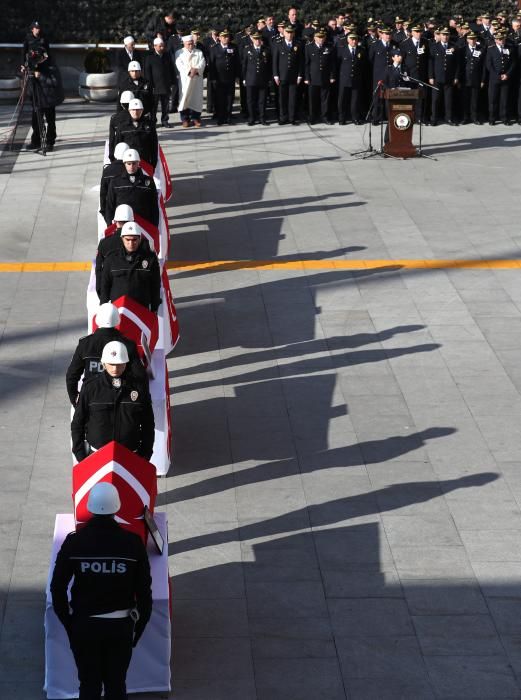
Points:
(472, 77)
(256, 73)
(224, 71)
(415, 53)
(444, 70)
(351, 64)
(320, 73)
(380, 59)
(288, 71)
(499, 66)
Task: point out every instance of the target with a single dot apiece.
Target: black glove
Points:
(138, 631)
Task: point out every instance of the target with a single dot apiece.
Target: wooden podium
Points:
(400, 110)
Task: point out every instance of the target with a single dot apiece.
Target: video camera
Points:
(34, 58)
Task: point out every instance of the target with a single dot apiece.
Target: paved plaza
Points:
(344, 501)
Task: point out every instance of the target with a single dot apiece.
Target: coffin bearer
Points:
(138, 130)
(134, 188)
(113, 405)
(86, 360)
(135, 82)
(111, 597)
(190, 63)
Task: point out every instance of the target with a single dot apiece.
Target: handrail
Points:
(76, 46)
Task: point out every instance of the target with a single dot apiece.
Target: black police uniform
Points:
(140, 135)
(138, 191)
(111, 573)
(140, 88)
(256, 72)
(394, 78)
(498, 63)
(380, 57)
(86, 360)
(351, 62)
(110, 171)
(160, 74)
(288, 65)
(136, 275)
(209, 42)
(415, 62)
(444, 68)
(107, 246)
(472, 76)
(117, 409)
(224, 71)
(320, 69)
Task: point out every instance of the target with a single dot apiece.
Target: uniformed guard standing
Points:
(288, 71)
(224, 71)
(351, 64)
(472, 78)
(499, 66)
(256, 72)
(444, 71)
(86, 360)
(113, 405)
(380, 59)
(111, 596)
(133, 188)
(320, 73)
(415, 64)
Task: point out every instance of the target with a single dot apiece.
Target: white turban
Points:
(128, 40)
(187, 37)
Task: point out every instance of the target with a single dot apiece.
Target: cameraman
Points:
(44, 88)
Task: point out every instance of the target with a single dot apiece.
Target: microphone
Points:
(380, 82)
(405, 77)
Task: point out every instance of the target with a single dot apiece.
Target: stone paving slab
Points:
(344, 499)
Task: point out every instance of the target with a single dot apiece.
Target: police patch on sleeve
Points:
(144, 264)
(134, 395)
(116, 382)
(147, 182)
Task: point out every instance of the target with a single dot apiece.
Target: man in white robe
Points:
(190, 63)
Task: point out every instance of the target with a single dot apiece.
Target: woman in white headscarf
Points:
(190, 63)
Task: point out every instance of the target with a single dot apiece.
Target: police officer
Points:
(224, 71)
(86, 360)
(415, 52)
(320, 74)
(124, 101)
(113, 405)
(351, 65)
(134, 188)
(444, 71)
(132, 269)
(113, 169)
(256, 72)
(472, 77)
(111, 597)
(499, 66)
(380, 58)
(109, 244)
(138, 130)
(133, 81)
(288, 72)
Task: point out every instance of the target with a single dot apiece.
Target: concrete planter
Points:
(99, 87)
(10, 89)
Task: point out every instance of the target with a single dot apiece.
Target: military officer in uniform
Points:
(444, 71)
(472, 78)
(415, 64)
(288, 71)
(380, 59)
(320, 74)
(86, 361)
(499, 66)
(111, 595)
(256, 72)
(132, 270)
(113, 405)
(351, 65)
(224, 71)
(134, 188)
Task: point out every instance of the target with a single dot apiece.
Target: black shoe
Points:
(251, 123)
(434, 123)
(220, 122)
(282, 122)
(451, 122)
(264, 123)
(295, 123)
(477, 122)
(342, 122)
(376, 122)
(50, 148)
(506, 122)
(327, 121)
(492, 123)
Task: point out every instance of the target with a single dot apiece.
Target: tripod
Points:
(370, 152)
(30, 85)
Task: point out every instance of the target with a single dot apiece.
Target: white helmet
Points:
(135, 104)
(120, 149)
(134, 65)
(107, 316)
(131, 156)
(114, 353)
(130, 229)
(103, 499)
(124, 212)
(126, 96)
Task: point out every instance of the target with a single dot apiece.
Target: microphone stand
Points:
(407, 78)
(370, 152)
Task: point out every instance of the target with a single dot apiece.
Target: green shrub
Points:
(97, 61)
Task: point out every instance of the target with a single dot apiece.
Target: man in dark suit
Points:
(380, 59)
(288, 71)
(444, 73)
(256, 72)
(499, 66)
(351, 61)
(160, 74)
(127, 54)
(415, 63)
(472, 77)
(320, 74)
(224, 71)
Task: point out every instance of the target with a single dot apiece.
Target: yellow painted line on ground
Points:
(281, 264)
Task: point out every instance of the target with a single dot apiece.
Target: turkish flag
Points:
(134, 478)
